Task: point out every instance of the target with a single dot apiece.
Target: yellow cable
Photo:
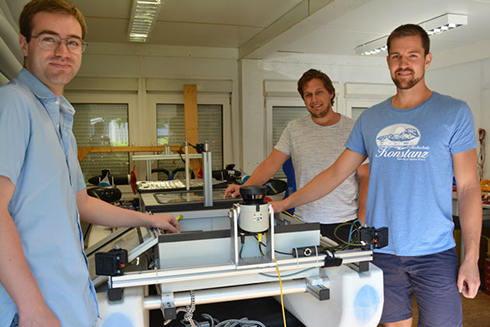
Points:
(287, 213)
(282, 300)
(97, 196)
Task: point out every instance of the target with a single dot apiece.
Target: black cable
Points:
(260, 247)
(344, 244)
(181, 148)
(180, 152)
(291, 254)
(87, 231)
(262, 244)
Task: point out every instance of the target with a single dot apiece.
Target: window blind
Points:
(357, 111)
(102, 125)
(281, 116)
(171, 131)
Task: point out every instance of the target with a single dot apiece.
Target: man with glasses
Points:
(49, 41)
(44, 278)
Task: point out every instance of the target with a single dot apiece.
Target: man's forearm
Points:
(470, 215)
(98, 212)
(363, 176)
(15, 274)
(326, 181)
(469, 202)
(267, 168)
(259, 177)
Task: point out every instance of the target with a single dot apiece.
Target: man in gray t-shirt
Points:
(314, 142)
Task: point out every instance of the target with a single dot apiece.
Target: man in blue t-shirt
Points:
(416, 142)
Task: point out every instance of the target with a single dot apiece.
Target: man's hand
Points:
(38, 316)
(164, 222)
(232, 191)
(468, 279)
(279, 206)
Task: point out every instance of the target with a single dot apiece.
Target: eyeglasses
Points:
(53, 41)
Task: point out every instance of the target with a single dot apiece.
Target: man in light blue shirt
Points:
(44, 278)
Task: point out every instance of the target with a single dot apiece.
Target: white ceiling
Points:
(259, 28)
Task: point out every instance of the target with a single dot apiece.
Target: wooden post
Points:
(190, 115)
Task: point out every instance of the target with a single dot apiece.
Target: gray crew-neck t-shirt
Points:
(313, 148)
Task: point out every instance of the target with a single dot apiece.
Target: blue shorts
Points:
(15, 321)
(431, 278)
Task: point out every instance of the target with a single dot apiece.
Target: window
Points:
(102, 125)
(356, 107)
(281, 116)
(171, 131)
(357, 111)
(361, 96)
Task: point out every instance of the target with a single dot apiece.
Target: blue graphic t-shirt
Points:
(411, 170)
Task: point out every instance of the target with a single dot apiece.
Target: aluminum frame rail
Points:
(155, 277)
(234, 293)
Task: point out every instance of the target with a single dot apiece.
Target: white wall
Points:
(141, 71)
(470, 82)
(133, 72)
(462, 81)
(463, 77)
(342, 70)
(142, 74)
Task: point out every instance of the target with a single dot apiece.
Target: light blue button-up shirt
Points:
(38, 153)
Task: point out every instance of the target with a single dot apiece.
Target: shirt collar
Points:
(42, 92)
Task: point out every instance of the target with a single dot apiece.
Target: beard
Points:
(406, 85)
(321, 113)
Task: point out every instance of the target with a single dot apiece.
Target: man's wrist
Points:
(471, 257)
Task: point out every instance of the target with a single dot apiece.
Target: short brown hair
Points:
(410, 30)
(51, 6)
(312, 74)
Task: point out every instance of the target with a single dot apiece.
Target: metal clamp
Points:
(318, 287)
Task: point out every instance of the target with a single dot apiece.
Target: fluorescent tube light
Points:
(444, 23)
(434, 26)
(143, 17)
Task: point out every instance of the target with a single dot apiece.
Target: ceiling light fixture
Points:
(434, 26)
(143, 17)
(444, 23)
(372, 47)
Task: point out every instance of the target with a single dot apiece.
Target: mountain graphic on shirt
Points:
(398, 136)
(406, 135)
